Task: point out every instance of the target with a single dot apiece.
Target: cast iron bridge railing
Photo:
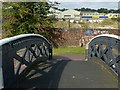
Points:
(19, 53)
(107, 48)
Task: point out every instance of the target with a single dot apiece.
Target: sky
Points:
(72, 4)
(94, 4)
(86, 0)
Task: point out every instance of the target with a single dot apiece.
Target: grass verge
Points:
(68, 50)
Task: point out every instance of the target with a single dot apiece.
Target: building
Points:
(112, 15)
(76, 16)
(87, 13)
(55, 12)
(71, 15)
(93, 16)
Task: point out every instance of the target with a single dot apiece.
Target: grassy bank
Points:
(68, 50)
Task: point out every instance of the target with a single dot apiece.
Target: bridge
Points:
(27, 62)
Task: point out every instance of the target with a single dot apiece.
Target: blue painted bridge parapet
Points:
(19, 53)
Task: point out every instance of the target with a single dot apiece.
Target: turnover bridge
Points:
(26, 62)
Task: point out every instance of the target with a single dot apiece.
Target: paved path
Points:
(69, 74)
(69, 57)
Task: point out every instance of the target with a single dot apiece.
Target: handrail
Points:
(7, 40)
(105, 47)
(19, 53)
(105, 35)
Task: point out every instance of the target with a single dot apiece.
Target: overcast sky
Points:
(92, 5)
(86, 0)
(68, 0)
(71, 4)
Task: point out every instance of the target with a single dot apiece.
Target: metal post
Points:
(69, 23)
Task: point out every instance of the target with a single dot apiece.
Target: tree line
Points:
(101, 10)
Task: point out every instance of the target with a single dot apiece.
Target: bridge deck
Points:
(69, 74)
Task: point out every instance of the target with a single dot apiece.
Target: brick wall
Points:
(72, 37)
(75, 37)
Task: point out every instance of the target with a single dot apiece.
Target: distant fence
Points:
(76, 37)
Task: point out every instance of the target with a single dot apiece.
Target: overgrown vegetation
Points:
(29, 17)
(113, 23)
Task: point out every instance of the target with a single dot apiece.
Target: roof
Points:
(71, 11)
(54, 10)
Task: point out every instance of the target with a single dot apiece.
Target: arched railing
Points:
(107, 48)
(19, 53)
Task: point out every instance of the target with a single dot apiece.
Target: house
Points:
(70, 14)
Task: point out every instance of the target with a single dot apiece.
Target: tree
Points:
(29, 17)
(103, 10)
(63, 9)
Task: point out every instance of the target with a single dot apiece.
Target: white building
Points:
(70, 14)
(77, 16)
(54, 12)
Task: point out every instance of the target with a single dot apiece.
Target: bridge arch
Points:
(106, 47)
(19, 53)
